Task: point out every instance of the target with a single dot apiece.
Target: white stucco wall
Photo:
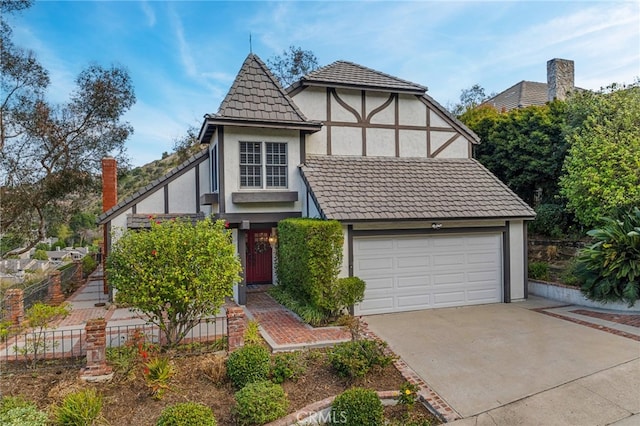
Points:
(459, 148)
(517, 253)
(381, 143)
(435, 120)
(205, 183)
(232, 139)
(353, 98)
(153, 203)
(413, 143)
(384, 116)
(440, 138)
(346, 141)
(182, 193)
(412, 111)
(312, 101)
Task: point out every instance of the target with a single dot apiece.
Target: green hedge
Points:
(309, 259)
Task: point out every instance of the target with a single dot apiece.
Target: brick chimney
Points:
(109, 183)
(560, 78)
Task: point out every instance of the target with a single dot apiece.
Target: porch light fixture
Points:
(436, 226)
(273, 239)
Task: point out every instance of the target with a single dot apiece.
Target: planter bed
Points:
(573, 296)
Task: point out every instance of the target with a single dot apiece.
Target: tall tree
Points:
(602, 168)
(525, 147)
(292, 64)
(51, 153)
(469, 99)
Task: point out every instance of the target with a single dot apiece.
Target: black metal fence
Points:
(53, 348)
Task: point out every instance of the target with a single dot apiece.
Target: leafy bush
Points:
(570, 275)
(539, 271)
(610, 268)
(408, 395)
(260, 402)
(357, 407)
(250, 363)
(123, 359)
(252, 333)
(309, 314)
(89, 264)
(24, 416)
(349, 291)
(551, 220)
(157, 374)
(79, 408)
(288, 366)
(16, 411)
(40, 255)
(356, 358)
(187, 414)
(39, 317)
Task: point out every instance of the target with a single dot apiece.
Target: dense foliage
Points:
(356, 358)
(357, 407)
(187, 414)
(250, 363)
(524, 148)
(259, 403)
(177, 273)
(610, 268)
(602, 168)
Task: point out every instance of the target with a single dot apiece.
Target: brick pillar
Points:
(78, 276)
(96, 340)
(236, 326)
(14, 306)
(55, 289)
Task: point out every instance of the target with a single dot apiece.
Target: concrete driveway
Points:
(505, 364)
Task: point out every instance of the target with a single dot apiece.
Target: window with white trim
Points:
(263, 168)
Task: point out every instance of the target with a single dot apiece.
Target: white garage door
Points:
(406, 273)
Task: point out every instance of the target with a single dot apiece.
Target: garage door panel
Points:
(375, 264)
(448, 259)
(410, 262)
(408, 303)
(416, 272)
(448, 298)
(407, 282)
(482, 295)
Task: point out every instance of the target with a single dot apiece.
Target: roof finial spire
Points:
(250, 46)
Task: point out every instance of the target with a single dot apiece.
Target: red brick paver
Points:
(285, 328)
(626, 319)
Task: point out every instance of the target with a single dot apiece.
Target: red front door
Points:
(259, 261)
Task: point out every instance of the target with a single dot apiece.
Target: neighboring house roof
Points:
(520, 95)
(143, 221)
(348, 74)
(142, 193)
(256, 97)
(388, 188)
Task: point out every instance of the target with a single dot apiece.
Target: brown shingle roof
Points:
(343, 73)
(257, 95)
(520, 95)
(388, 188)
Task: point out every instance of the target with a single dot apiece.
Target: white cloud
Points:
(148, 12)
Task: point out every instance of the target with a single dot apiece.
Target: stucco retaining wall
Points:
(574, 296)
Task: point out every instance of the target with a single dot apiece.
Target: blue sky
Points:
(184, 55)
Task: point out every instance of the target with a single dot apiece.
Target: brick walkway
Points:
(284, 331)
(627, 319)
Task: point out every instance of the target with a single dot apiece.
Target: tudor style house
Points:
(425, 225)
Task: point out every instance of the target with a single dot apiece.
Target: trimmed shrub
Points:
(288, 366)
(610, 268)
(259, 403)
(250, 363)
(79, 408)
(539, 271)
(187, 414)
(357, 407)
(356, 358)
(349, 291)
(309, 259)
